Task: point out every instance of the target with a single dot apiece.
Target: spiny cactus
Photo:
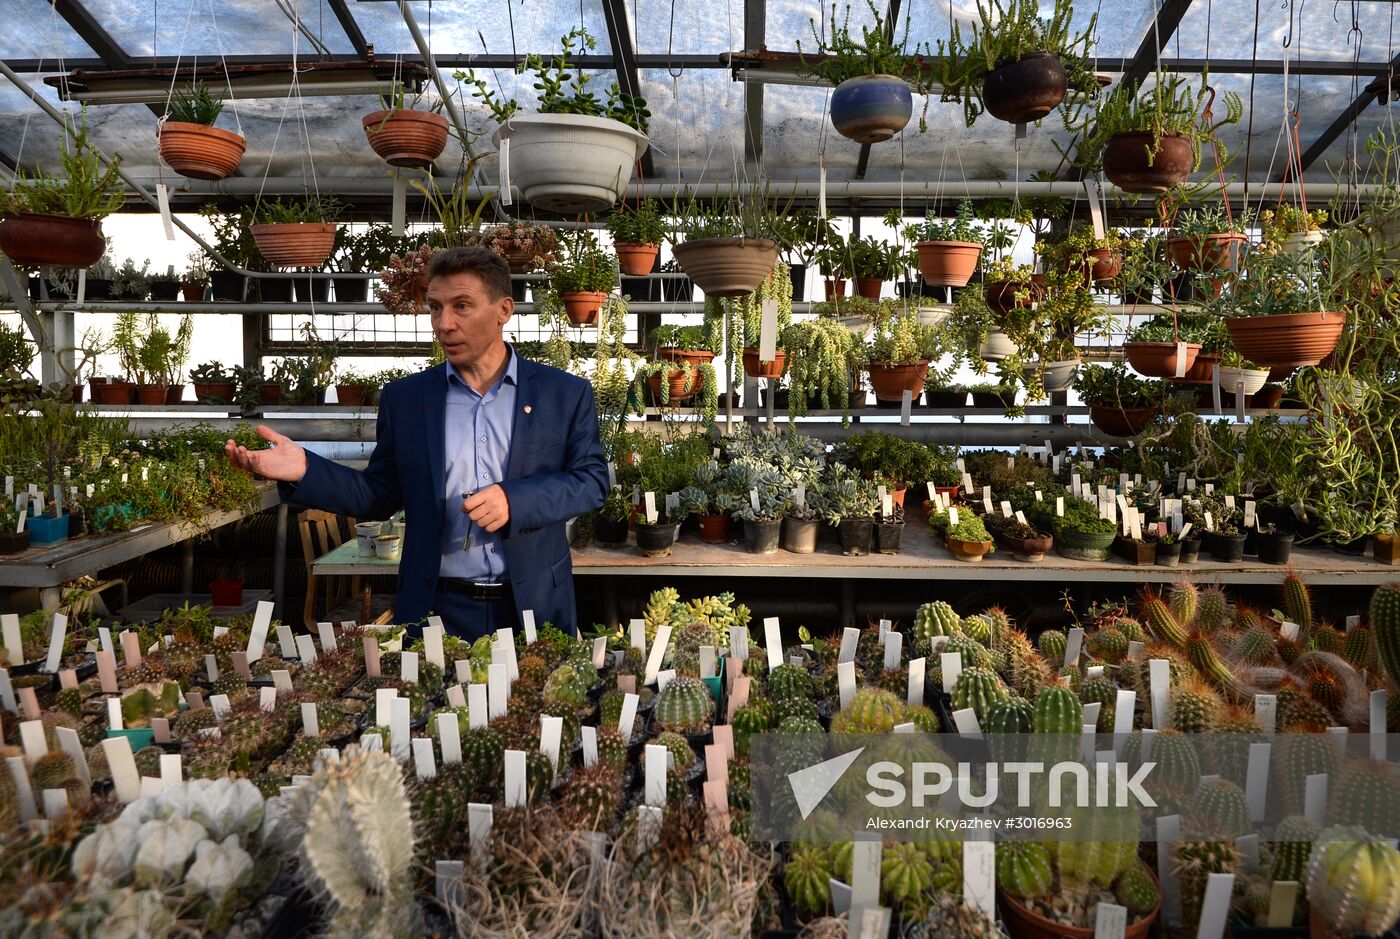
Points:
(1162, 621)
(923, 718)
(1098, 691)
(1108, 645)
(484, 753)
(148, 761)
(566, 686)
(978, 627)
(1023, 868)
(1221, 809)
(1208, 662)
(906, 874)
(70, 701)
(746, 722)
(53, 770)
(1058, 710)
(1359, 649)
(676, 745)
(871, 711)
(1323, 638)
(936, 619)
(1384, 617)
(1297, 601)
(793, 707)
(1296, 757)
(1293, 841)
(685, 706)
(1354, 881)
(1010, 715)
(807, 876)
(1136, 890)
(1195, 862)
(1213, 611)
(1256, 647)
(357, 850)
(1130, 627)
(979, 689)
(972, 653)
(1183, 598)
(539, 777)
(612, 749)
(1367, 794)
(1051, 644)
(789, 681)
(1193, 704)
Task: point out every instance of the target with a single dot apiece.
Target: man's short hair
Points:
(483, 262)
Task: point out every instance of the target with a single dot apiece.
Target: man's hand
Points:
(488, 508)
(284, 463)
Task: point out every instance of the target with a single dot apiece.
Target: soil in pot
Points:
(1025, 91)
(857, 536)
(888, 536)
(800, 535)
(762, 536)
(655, 541)
(1273, 548)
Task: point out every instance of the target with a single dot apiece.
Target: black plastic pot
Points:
(1356, 547)
(274, 289)
(227, 286)
(1183, 287)
(1168, 555)
(1191, 550)
(857, 535)
(762, 536)
(1274, 548)
(609, 532)
(77, 523)
(656, 541)
(887, 537)
(799, 282)
(1224, 547)
(351, 289)
(165, 291)
(313, 290)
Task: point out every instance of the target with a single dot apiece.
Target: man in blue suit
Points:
(488, 454)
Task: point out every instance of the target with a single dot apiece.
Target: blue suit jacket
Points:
(556, 470)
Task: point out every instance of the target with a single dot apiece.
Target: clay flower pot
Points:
(970, 551)
(352, 395)
(218, 392)
(727, 267)
(636, 260)
(714, 529)
(1201, 371)
(405, 136)
(755, 367)
(294, 244)
(1125, 162)
(1026, 924)
(52, 240)
(199, 151)
(869, 287)
(1121, 422)
(112, 392)
(1220, 252)
(1026, 90)
(1104, 264)
(1160, 359)
(1005, 296)
(1291, 340)
(889, 382)
(688, 356)
(582, 306)
(150, 394)
(683, 386)
(948, 263)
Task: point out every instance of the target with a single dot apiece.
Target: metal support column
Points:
(755, 37)
(279, 562)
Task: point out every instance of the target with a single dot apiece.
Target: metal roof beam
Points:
(624, 55)
(352, 28)
(755, 37)
(1159, 33)
(1318, 147)
(457, 60)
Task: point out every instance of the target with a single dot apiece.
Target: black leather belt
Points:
(474, 589)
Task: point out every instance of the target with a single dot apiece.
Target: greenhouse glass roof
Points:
(708, 118)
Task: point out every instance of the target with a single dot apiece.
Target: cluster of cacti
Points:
(684, 706)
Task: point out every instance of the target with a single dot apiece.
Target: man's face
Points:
(467, 320)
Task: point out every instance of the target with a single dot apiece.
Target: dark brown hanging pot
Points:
(1026, 90)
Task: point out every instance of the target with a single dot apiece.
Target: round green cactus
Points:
(1221, 809)
(1384, 616)
(807, 876)
(746, 722)
(1256, 647)
(1052, 644)
(1108, 645)
(1192, 706)
(1058, 710)
(1354, 881)
(793, 707)
(936, 619)
(1293, 841)
(972, 653)
(1023, 869)
(1184, 599)
(978, 627)
(871, 711)
(1367, 795)
(591, 798)
(612, 749)
(1136, 890)
(789, 681)
(684, 706)
(979, 689)
(1130, 627)
(676, 745)
(484, 753)
(1010, 715)
(567, 687)
(1213, 612)
(906, 874)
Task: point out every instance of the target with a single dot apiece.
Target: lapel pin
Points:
(527, 409)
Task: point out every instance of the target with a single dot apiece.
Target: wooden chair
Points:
(322, 532)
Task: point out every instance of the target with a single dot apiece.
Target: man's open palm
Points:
(285, 462)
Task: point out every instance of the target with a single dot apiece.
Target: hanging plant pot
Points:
(869, 287)
(1201, 371)
(295, 244)
(997, 346)
(572, 164)
(688, 356)
(1160, 359)
(1291, 340)
(727, 267)
(871, 108)
(405, 136)
(1207, 252)
(1026, 90)
(52, 240)
(1126, 162)
(1104, 264)
(754, 367)
(636, 260)
(969, 551)
(835, 288)
(1297, 243)
(1055, 376)
(1121, 422)
(889, 382)
(582, 306)
(1251, 378)
(682, 385)
(198, 150)
(1005, 296)
(948, 263)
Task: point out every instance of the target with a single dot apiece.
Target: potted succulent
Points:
(526, 246)
(403, 134)
(799, 533)
(1081, 533)
(132, 283)
(1273, 545)
(1291, 229)
(849, 502)
(709, 500)
(233, 240)
(160, 358)
(728, 248)
(872, 262)
(1209, 240)
(213, 384)
(1219, 524)
(583, 277)
(1238, 375)
(1277, 313)
(1149, 141)
(296, 232)
(674, 383)
(355, 390)
(655, 539)
(165, 288)
(1017, 65)
(576, 153)
(949, 249)
(189, 142)
(610, 522)
(1120, 404)
(968, 539)
(898, 353)
(989, 395)
(637, 232)
(746, 323)
(943, 394)
(762, 505)
(1011, 286)
(1168, 547)
(56, 221)
(889, 530)
(872, 101)
(194, 282)
(682, 344)
(13, 540)
(823, 358)
(1158, 348)
(1025, 541)
(365, 252)
(1100, 258)
(834, 264)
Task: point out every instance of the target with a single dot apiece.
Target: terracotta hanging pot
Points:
(1104, 264)
(948, 263)
(636, 260)
(869, 287)
(682, 385)
(727, 267)
(1291, 340)
(1125, 162)
(1200, 372)
(1026, 90)
(1161, 359)
(835, 288)
(582, 306)
(1121, 422)
(199, 151)
(1005, 296)
(754, 367)
(1219, 252)
(889, 382)
(295, 244)
(687, 356)
(405, 136)
(52, 240)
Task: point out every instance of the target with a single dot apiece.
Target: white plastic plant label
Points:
(1110, 921)
(515, 791)
(589, 736)
(915, 694)
(655, 770)
(739, 643)
(31, 735)
(1289, 630)
(865, 873)
(768, 331)
(906, 407)
(773, 641)
(637, 630)
(952, 515)
(1315, 798)
(1256, 780)
(1379, 700)
(1168, 834)
(310, 723)
(306, 649)
(262, 618)
(965, 720)
(551, 731)
(125, 780)
(408, 667)
(286, 642)
(399, 729)
(627, 718)
(478, 705)
(424, 765)
(1283, 897)
(849, 637)
(14, 646)
(951, 665)
(1215, 909)
(1073, 643)
(846, 682)
(325, 632)
(1159, 677)
(1124, 703)
(1266, 712)
(456, 695)
(658, 652)
(979, 876)
(894, 649)
(497, 689)
(650, 499)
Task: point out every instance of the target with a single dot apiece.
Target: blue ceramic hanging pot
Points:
(871, 108)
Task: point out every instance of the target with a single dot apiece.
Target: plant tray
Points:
(151, 607)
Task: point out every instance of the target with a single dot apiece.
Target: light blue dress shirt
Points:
(477, 449)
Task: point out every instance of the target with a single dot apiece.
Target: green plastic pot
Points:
(1085, 545)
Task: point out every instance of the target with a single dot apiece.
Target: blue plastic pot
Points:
(871, 108)
(47, 530)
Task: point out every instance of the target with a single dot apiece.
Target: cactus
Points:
(1359, 650)
(1325, 689)
(1130, 627)
(978, 627)
(484, 754)
(936, 619)
(1195, 862)
(534, 671)
(53, 770)
(1293, 841)
(1297, 602)
(566, 686)
(1354, 882)
(1010, 715)
(746, 722)
(1367, 795)
(923, 718)
(1204, 657)
(1102, 860)
(979, 689)
(1023, 869)
(682, 755)
(1384, 617)
(1108, 645)
(1162, 621)
(592, 797)
(806, 877)
(539, 777)
(1058, 710)
(1178, 764)
(871, 711)
(1052, 645)
(148, 761)
(1256, 647)
(230, 683)
(69, 701)
(1193, 705)
(1098, 691)
(972, 653)
(1183, 598)
(685, 706)
(793, 707)
(789, 681)
(357, 850)
(1221, 809)
(1297, 709)
(612, 749)
(906, 874)
(1296, 757)
(1213, 612)
(1136, 890)
(1323, 638)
